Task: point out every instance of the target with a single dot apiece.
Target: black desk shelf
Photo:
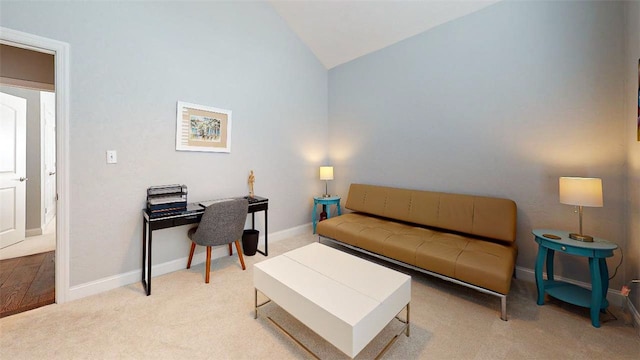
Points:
(192, 215)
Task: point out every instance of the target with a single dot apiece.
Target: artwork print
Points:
(202, 128)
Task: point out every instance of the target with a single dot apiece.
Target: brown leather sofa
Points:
(469, 240)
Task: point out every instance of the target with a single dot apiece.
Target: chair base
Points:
(207, 268)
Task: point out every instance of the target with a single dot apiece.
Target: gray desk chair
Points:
(222, 223)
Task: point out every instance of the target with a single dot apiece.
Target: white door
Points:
(48, 123)
(13, 168)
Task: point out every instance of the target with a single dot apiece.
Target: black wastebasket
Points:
(250, 242)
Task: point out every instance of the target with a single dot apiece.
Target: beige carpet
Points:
(185, 318)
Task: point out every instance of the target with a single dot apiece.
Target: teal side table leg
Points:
(542, 254)
(604, 276)
(596, 291)
(550, 256)
(314, 218)
(339, 211)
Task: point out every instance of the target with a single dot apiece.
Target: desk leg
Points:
(149, 264)
(596, 291)
(266, 234)
(542, 255)
(145, 228)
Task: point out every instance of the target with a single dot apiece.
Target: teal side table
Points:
(597, 252)
(324, 201)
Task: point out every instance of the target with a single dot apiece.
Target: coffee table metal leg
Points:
(293, 338)
(255, 301)
(405, 329)
(408, 327)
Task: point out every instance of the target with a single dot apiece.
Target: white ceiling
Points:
(340, 31)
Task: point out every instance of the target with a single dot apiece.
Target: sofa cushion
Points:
(440, 253)
(487, 265)
(479, 262)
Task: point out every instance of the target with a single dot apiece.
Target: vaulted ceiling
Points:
(340, 31)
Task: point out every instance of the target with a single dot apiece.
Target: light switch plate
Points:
(112, 157)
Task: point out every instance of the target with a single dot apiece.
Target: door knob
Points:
(52, 172)
(23, 179)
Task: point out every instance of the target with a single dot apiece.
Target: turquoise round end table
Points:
(324, 201)
(550, 241)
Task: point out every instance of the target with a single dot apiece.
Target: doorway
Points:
(59, 197)
(28, 231)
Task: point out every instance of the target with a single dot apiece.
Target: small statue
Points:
(252, 179)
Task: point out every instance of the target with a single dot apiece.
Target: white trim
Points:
(61, 57)
(287, 233)
(34, 85)
(615, 297)
(133, 277)
(33, 232)
(635, 315)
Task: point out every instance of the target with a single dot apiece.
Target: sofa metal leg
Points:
(503, 308)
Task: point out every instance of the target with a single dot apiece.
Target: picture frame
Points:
(202, 128)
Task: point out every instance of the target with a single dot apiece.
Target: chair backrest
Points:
(222, 222)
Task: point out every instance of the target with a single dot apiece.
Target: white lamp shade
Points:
(581, 191)
(326, 172)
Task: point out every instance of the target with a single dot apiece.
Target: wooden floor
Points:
(26, 283)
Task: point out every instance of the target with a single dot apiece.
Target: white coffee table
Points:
(344, 299)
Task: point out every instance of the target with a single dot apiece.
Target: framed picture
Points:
(638, 99)
(203, 128)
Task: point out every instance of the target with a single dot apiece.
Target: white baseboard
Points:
(615, 297)
(33, 232)
(131, 277)
(635, 316)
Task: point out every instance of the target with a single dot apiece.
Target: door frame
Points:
(60, 50)
(44, 176)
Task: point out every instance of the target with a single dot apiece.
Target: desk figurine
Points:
(252, 179)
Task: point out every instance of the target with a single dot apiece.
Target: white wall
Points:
(34, 170)
(501, 102)
(632, 56)
(130, 64)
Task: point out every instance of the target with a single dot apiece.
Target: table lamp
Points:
(579, 191)
(326, 174)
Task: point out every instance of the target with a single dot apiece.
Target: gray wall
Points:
(502, 103)
(632, 56)
(34, 165)
(130, 64)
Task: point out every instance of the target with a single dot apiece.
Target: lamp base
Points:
(580, 237)
(326, 195)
